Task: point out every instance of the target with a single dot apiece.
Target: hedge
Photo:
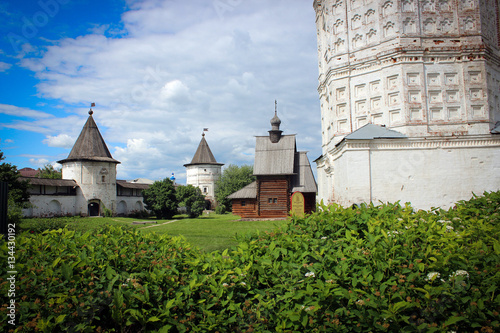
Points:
(385, 268)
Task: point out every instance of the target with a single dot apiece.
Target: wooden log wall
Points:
(249, 210)
(273, 196)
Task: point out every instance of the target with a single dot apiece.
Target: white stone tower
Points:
(426, 70)
(92, 167)
(204, 171)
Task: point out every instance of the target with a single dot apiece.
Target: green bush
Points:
(161, 199)
(380, 269)
(39, 225)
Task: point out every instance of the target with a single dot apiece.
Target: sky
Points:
(159, 72)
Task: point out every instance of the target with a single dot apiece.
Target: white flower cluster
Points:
(460, 272)
(309, 308)
(310, 274)
(432, 276)
(392, 233)
(435, 275)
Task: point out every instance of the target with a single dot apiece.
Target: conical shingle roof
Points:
(90, 145)
(203, 154)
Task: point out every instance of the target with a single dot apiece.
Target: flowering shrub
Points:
(382, 269)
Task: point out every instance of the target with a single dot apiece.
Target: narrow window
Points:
(275, 200)
(103, 179)
(270, 200)
(243, 203)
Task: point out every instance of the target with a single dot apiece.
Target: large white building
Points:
(204, 171)
(410, 100)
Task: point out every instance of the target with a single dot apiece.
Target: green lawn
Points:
(208, 232)
(213, 232)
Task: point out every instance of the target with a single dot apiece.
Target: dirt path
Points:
(157, 225)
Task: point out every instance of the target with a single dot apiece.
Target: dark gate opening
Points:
(93, 209)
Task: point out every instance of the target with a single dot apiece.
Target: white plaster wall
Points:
(88, 175)
(42, 205)
(131, 204)
(425, 177)
(203, 176)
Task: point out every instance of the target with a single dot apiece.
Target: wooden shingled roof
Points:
(203, 154)
(90, 145)
(304, 180)
(247, 192)
(50, 182)
(274, 158)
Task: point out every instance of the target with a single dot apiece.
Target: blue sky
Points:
(159, 72)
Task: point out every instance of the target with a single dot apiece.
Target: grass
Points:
(209, 233)
(213, 232)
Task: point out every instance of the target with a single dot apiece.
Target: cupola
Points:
(275, 133)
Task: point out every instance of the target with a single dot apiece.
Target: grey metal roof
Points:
(304, 180)
(247, 192)
(125, 184)
(371, 131)
(496, 129)
(274, 158)
(50, 182)
(203, 154)
(90, 145)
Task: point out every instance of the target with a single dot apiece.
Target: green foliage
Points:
(36, 226)
(161, 199)
(144, 214)
(18, 190)
(14, 211)
(369, 269)
(107, 212)
(191, 198)
(233, 179)
(48, 171)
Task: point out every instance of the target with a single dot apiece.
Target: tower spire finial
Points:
(91, 105)
(275, 107)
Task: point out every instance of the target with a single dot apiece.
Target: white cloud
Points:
(16, 111)
(61, 140)
(39, 162)
(4, 66)
(174, 90)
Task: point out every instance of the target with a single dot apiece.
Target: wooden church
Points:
(281, 171)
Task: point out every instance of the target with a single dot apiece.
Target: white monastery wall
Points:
(425, 173)
(46, 205)
(127, 205)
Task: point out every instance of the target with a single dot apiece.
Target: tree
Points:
(18, 196)
(161, 199)
(191, 198)
(49, 172)
(233, 178)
